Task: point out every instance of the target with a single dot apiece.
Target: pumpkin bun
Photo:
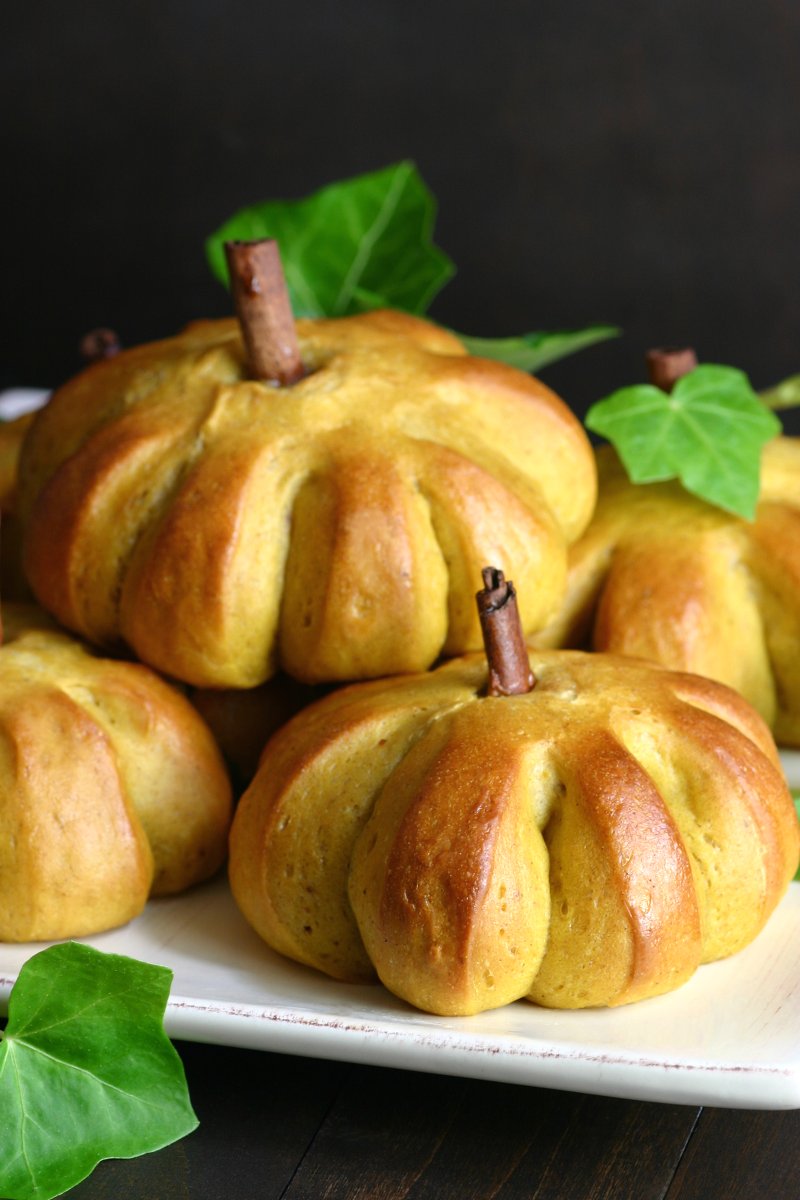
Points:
(225, 527)
(662, 575)
(588, 843)
(13, 585)
(112, 787)
(242, 720)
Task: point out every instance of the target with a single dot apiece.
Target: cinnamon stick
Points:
(666, 366)
(99, 343)
(509, 669)
(265, 314)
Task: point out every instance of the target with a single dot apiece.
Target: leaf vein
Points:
(383, 216)
(26, 1120)
(105, 1083)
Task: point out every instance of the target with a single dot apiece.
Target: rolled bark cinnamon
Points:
(506, 652)
(666, 366)
(99, 343)
(264, 311)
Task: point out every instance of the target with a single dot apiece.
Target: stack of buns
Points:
(588, 843)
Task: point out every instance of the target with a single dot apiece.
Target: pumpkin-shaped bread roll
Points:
(13, 585)
(112, 787)
(225, 527)
(662, 575)
(590, 842)
(242, 720)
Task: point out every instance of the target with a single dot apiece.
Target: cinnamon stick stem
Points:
(666, 366)
(99, 343)
(262, 305)
(509, 669)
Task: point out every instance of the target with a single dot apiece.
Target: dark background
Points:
(631, 163)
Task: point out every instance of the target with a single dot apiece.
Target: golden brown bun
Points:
(112, 787)
(12, 434)
(662, 575)
(589, 843)
(13, 585)
(336, 528)
(243, 720)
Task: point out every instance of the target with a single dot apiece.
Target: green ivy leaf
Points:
(86, 1070)
(783, 395)
(366, 243)
(533, 351)
(359, 244)
(708, 433)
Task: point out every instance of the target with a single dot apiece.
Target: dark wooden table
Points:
(277, 1126)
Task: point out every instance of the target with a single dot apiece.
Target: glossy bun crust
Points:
(662, 575)
(590, 843)
(111, 788)
(224, 527)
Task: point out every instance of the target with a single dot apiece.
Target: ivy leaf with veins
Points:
(708, 432)
(366, 243)
(86, 1069)
(359, 244)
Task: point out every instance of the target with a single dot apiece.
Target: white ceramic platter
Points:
(730, 1037)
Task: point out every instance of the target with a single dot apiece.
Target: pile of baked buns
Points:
(206, 541)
